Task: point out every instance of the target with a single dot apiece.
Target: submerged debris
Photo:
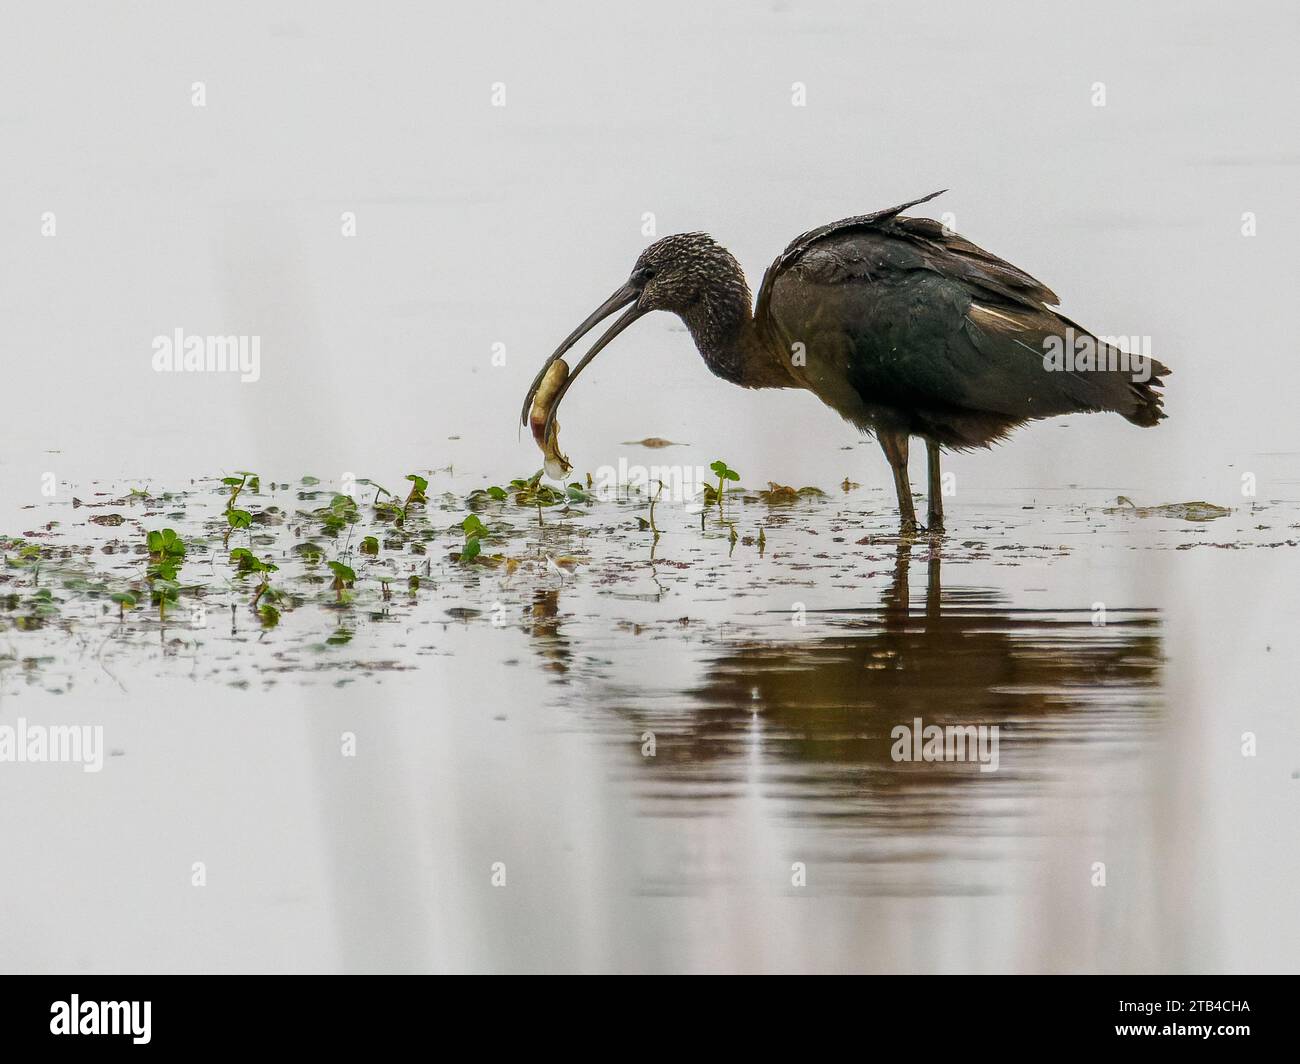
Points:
(777, 494)
(651, 441)
(1186, 511)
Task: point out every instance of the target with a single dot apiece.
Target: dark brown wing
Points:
(932, 330)
(945, 252)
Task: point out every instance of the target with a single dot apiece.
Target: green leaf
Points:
(342, 573)
(248, 562)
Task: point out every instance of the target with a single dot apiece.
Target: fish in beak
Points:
(546, 429)
(554, 380)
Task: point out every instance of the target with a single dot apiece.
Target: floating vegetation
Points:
(166, 556)
(237, 518)
(125, 600)
(724, 474)
(483, 496)
(416, 496)
(780, 494)
(304, 581)
(246, 561)
(341, 513)
(474, 530)
(344, 578)
(1185, 511)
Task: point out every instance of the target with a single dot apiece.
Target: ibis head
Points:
(688, 274)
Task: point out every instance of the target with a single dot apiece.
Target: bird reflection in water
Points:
(817, 704)
(544, 628)
(827, 704)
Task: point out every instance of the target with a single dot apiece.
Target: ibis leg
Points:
(935, 517)
(894, 444)
(896, 599)
(934, 588)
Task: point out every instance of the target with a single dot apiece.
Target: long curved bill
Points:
(621, 298)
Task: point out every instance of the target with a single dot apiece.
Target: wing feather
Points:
(931, 325)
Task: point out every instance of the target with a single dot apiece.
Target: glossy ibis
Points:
(899, 325)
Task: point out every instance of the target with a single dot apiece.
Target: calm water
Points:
(503, 716)
(500, 714)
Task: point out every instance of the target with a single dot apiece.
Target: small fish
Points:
(557, 465)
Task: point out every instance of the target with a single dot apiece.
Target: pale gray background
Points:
(480, 225)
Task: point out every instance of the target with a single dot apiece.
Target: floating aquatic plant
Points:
(481, 497)
(344, 578)
(166, 556)
(474, 530)
(339, 514)
(125, 600)
(248, 562)
(237, 518)
(419, 485)
(1186, 511)
(778, 494)
(724, 473)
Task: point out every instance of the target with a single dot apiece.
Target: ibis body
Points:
(901, 326)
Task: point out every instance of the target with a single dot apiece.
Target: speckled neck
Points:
(722, 325)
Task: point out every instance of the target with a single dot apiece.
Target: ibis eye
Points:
(644, 274)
